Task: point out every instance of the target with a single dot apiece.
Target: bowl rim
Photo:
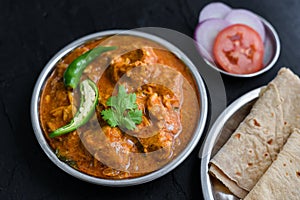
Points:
(35, 120)
(274, 35)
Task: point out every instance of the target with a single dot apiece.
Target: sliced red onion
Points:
(214, 10)
(205, 35)
(242, 16)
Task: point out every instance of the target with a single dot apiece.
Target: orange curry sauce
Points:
(165, 92)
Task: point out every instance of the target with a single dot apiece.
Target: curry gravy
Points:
(166, 93)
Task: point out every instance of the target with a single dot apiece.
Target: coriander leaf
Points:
(128, 123)
(132, 100)
(123, 111)
(109, 116)
(136, 116)
(111, 101)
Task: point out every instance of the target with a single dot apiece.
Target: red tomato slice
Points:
(239, 49)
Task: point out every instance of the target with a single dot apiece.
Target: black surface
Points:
(31, 32)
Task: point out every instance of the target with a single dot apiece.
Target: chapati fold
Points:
(282, 179)
(256, 142)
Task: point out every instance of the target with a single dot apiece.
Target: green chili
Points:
(88, 102)
(75, 69)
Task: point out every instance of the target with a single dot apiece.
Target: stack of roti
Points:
(282, 179)
(255, 144)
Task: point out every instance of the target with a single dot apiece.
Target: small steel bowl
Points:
(124, 182)
(271, 55)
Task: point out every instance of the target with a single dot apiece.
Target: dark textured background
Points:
(31, 32)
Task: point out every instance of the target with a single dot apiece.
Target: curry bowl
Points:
(119, 108)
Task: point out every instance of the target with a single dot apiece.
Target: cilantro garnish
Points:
(123, 111)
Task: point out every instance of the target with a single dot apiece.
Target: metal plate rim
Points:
(214, 132)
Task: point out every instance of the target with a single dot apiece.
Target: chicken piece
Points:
(123, 142)
(168, 122)
(156, 74)
(159, 130)
(129, 60)
(110, 146)
(168, 117)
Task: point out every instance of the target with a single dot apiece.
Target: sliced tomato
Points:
(239, 49)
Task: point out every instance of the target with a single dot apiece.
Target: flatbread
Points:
(257, 141)
(282, 179)
(226, 181)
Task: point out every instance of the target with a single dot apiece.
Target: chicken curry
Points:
(139, 74)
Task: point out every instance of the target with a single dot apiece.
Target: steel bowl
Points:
(124, 182)
(271, 55)
(219, 133)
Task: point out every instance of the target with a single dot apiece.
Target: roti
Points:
(282, 179)
(255, 144)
